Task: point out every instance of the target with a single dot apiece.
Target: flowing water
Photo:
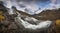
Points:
(44, 24)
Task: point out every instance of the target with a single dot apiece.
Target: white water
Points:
(10, 11)
(44, 24)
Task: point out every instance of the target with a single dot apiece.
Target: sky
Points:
(32, 6)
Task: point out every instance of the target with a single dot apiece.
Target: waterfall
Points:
(44, 24)
(10, 11)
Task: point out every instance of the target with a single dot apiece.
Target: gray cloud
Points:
(34, 0)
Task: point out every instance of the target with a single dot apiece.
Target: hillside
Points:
(9, 25)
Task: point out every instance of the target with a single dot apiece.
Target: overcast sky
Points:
(31, 5)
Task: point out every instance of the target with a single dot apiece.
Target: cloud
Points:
(30, 5)
(32, 0)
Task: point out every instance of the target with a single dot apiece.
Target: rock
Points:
(12, 26)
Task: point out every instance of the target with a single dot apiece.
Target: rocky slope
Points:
(9, 26)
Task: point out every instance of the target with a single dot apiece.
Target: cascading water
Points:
(10, 11)
(44, 24)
